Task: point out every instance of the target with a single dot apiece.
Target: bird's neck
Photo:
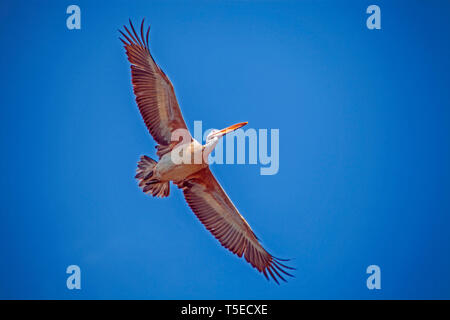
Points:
(209, 147)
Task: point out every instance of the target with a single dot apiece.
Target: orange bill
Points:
(230, 129)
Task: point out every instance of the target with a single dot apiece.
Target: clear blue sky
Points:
(364, 148)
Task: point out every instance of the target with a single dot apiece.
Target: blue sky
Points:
(364, 149)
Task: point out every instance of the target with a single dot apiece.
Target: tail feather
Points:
(144, 174)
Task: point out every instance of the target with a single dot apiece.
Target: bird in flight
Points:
(159, 108)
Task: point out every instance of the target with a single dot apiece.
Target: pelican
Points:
(158, 106)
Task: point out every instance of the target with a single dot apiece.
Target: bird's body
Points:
(184, 161)
(168, 170)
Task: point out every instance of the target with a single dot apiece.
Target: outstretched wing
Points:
(154, 92)
(218, 214)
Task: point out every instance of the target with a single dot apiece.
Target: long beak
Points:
(230, 129)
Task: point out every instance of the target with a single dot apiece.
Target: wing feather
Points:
(217, 213)
(154, 92)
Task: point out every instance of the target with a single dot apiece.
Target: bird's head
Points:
(214, 136)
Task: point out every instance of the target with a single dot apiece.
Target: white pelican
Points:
(158, 106)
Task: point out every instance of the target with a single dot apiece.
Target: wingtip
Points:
(277, 270)
(132, 37)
